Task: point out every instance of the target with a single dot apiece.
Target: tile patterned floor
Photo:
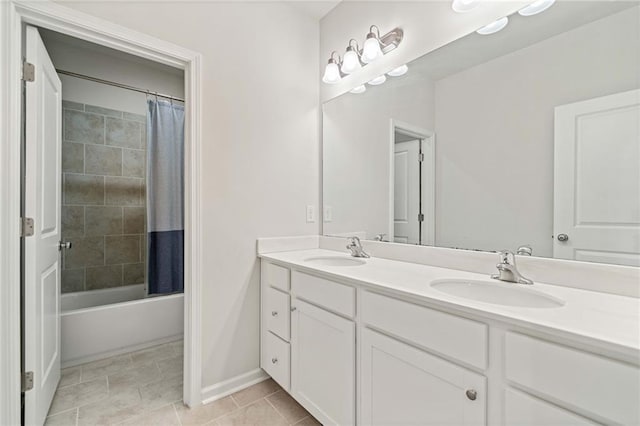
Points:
(145, 388)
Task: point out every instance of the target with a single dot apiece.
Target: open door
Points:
(42, 191)
(407, 192)
(597, 180)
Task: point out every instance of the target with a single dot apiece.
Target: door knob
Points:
(274, 313)
(274, 360)
(472, 394)
(64, 245)
(563, 237)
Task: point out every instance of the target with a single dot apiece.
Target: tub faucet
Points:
(507, 270)
(355, 246)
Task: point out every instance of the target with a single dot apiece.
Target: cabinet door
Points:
(402, 385)
(323, 363)
(525, 410)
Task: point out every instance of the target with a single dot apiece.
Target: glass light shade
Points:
(462, 6)
(331, 73)
(397, 72)
(371, 50)
(350, 63)
(536, 7)
(494, 27)
(359, 89)
(378, 80)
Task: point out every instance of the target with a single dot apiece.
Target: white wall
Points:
(260, 151)
(120, 68)
(427, 25)
(357, 146)
(494, 125)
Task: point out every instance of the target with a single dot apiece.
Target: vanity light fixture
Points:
(378, 80)
(351, 62)
(375, 46)
(358, 90)
(397, 72)
(462, 6)
(494, 27)
(332, 70)
(536, 7)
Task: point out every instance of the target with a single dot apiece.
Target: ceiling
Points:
(314, 9)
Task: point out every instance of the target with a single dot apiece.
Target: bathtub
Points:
(101, 323)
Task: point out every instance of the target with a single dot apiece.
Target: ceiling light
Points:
(332, 71)
(359, 89)
(536, 7)
(397, 72)
(462, 6)
(351, 61)
(494, 27)
(378, 80)
(371, 50)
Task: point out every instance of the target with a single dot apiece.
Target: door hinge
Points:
(27, 227)
(27, 381)
(420, 217)
(28, 71)
(421, 157)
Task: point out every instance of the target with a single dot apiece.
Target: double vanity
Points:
(373, 341)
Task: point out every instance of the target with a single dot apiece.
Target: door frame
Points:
(428, 144)
(46, 14)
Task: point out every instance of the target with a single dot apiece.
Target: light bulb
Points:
(331, 73)
(536, 7)
(371, 49)
(462, 6)
(494, 27)
(378, 80)
(397, 72)
(359, 89)
(351, 62)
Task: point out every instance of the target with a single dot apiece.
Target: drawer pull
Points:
(274, 313)
(274, 360)
(293, 308)
(472, 394)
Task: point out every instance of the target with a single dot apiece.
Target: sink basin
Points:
(498, 293)
(335, 261)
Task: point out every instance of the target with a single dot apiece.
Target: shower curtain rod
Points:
(120, 85)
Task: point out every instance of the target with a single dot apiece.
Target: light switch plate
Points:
(327, 213)
(311, 214)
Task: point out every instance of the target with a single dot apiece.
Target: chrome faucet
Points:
(355, 246)
(507, 270)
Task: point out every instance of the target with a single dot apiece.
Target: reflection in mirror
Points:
(527, 139)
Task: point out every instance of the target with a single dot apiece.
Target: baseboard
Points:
(119, 351)
(232, 385)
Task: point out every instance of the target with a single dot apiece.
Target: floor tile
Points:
(163, 392)
(308, 421)
(205, 413)
(105, 367)
(171, 367)
(163, 416)
(118, 407)
(69, 376)
(258, 413)
(66, 418)
(255, 392)
(78, 395)
(138, 375)
(287, 406)
(154, 354)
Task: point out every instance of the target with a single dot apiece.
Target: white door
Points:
(597, 180)
(43, 204)
(323, 364)
(402, 385)
(406, 192)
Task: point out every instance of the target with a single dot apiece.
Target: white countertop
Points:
(608, 321)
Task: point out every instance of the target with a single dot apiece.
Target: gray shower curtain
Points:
(165, 196)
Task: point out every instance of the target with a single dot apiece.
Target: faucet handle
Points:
(504, 256)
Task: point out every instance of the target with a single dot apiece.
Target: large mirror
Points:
(527, 139)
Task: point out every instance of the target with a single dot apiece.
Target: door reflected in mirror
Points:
(529, 137)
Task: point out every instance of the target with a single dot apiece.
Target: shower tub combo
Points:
(101, 323)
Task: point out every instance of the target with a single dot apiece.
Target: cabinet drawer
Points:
(524, 410)
(275, 276)
(601, 386)
(339, 298)
(276, 358)
(449, 335)
(277, 315)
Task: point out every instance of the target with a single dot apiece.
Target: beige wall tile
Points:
(103, 220)
(73, 157)
(121, 191)
(73, 221)
(134, 220)
(133, 161)
(122, 249)
(103, 111)
(123, 133)
(72, 280)
(102, 160)
(72, 105)
(133, 274)
(83, 127)
(84, 252)
(81, 189)
(103, 277)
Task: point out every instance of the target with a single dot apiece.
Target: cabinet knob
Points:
(274, 313)
(274, 360)
(293, 308)
(472, 394)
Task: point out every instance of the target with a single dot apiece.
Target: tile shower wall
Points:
(103, 197)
